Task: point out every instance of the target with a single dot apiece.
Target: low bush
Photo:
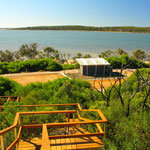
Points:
(126, 61)
(9, 87)
(45, 64)
(68, 66)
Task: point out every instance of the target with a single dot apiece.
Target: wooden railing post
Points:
(2, 142)
(68, 117)
(15, 133)
(87, 115)
(17, 99)
(68, 121)
(104, 130)
(73, 121)
(98, 119)
(8, 99)
(19, 122)
(73, 117)
(73, 130)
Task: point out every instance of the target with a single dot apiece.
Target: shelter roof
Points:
(92, 61)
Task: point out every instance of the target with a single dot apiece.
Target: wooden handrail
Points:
(53, 112)
(101, 115)
(98, 126)
(2, 132)
(45, 139)
(46, 105)
(71, 104)
(98, 111)
(44, 131)
(47, 112)
(75, 135)
(16, 140)
(62, 124)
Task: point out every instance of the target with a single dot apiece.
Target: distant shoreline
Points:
(75, 31)
(119, 29)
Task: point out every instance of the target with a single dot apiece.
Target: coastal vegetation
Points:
(126, 61)
(29, 59)
(126, 106)
(90, 28)
(50, 64)
(45, 64)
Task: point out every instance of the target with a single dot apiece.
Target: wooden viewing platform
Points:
(78, 135)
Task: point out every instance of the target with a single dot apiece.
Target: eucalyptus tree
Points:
(139, 54)
(28, 51)
(51, 52)
(107, 53)
(120, 52)
(7, 56)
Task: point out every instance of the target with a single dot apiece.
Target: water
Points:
(74, 41)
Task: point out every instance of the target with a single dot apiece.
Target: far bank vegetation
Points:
(90, 28)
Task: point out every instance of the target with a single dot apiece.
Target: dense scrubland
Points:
(126, 106)
(90, 28)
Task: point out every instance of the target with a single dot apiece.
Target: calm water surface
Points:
(74, 41)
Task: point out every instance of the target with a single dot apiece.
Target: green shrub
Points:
(53, 66)
(14, 67)
(4, 67)
(9, 87)
(68, 66)
(114, 61)
(30, 66)
(126, 61)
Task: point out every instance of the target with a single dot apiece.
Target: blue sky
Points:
(20, 13)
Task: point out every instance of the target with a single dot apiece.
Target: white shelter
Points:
(94, 66)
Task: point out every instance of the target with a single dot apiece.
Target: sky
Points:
(23, 13)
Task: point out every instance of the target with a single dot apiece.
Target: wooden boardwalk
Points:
(88, 143)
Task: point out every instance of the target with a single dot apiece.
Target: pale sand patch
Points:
(26, 79)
